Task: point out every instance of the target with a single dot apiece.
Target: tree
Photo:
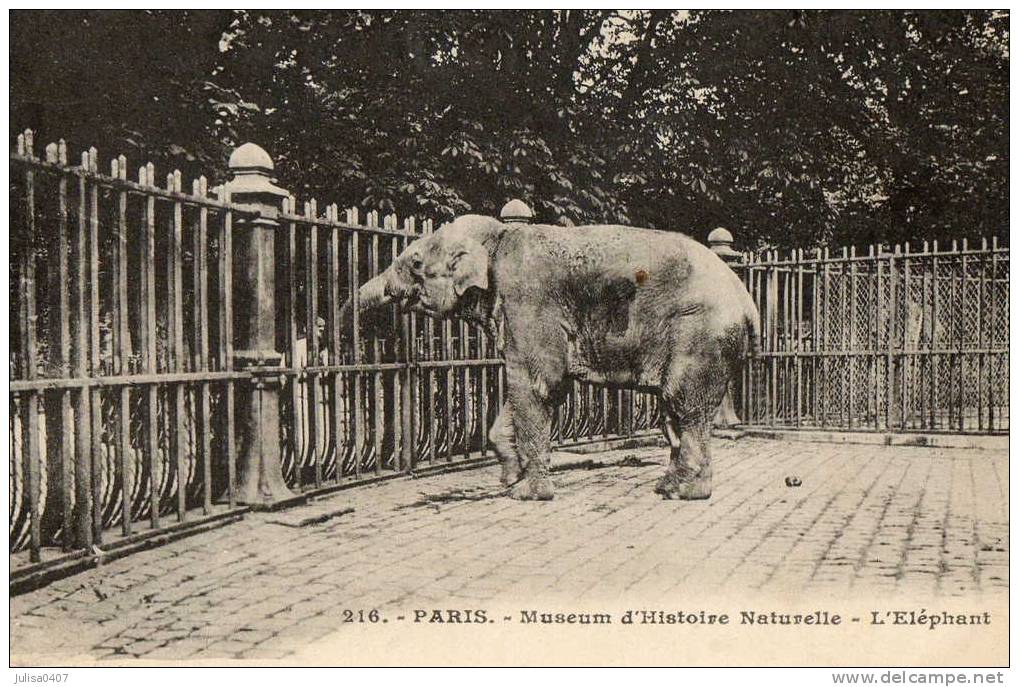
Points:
(796, 128)
(130, 82)
(421, 111)
(791, 128)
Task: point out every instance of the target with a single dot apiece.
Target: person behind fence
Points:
(302, 402)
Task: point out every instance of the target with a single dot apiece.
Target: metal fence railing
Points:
(170, 343)
(121, 374)
(896, 340)
(175, 349)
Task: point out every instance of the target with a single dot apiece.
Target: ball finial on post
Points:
(516, 211)
(720, 240)
(251, 171)
(250, 156)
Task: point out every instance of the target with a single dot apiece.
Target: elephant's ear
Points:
(469, 267)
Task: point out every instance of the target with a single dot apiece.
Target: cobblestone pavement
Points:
(884, 518)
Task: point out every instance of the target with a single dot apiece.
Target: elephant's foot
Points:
(694, 488)
(534, 489)
(510, 472)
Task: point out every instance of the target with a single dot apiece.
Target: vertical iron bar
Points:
(226, 343)
(446, 342)
(402, 436)
(66, 412)
(30, 419)
(748, 364)
(298, 412)
(799, 337)
(82, 359)
(353, 257)
(904, 358)
(982, 341)
(991, 339)
(874, 395)
(336, 334)
(378, 423)
(892, 316)
(935, 357)
(409, 394)
(815, 344)
(122, 326)
(465, 388)
(786, 287)
(773, 323)
(177, 331)
(414, 382)
(203, 443)
(501, 389)
(923, 352)
(97, 415)
(960, 343)
(880, 312)
(825, 342)
(152, 416)
(620, 420)
(844, 315)
(853, 360)
(953, 340)
(315, 449)
(432, 377)
(483, 425)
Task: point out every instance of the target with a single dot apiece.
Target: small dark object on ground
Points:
(793, 481)
(435, 501)
(312, 514)
(635, 462)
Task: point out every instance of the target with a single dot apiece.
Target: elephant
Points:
(627, 307)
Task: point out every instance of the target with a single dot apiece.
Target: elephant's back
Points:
(670, 273)
(604, 246)
(646, 256)
(629, 295)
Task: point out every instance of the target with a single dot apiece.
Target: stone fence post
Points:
(720, 241)
(260, 482)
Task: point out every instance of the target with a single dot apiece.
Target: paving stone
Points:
(881, 519)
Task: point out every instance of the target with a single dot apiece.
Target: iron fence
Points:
(137, 403)
(118, 420)
(173, 347)
(896, 340)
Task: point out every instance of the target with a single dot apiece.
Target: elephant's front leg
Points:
(501, 437)
(531, 415)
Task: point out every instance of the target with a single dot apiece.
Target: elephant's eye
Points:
(456, 258)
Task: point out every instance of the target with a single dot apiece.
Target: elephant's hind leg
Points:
(690, 397)
(688, 476)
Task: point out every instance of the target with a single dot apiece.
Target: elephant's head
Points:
(444, 273)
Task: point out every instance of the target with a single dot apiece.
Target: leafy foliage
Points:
(137, 83)
(791, 128)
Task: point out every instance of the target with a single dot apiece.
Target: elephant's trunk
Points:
(372, 294)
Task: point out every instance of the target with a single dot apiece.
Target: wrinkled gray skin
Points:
(629, 307)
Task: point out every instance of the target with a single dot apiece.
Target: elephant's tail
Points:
(754, 333)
